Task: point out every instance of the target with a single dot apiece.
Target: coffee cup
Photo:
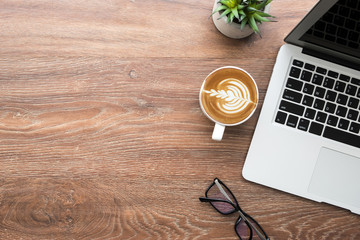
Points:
(229, 97)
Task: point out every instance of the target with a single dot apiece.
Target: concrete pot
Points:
(232, 30)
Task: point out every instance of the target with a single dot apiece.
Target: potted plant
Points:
(240, 18)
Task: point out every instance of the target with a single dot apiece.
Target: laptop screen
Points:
(338, 29)
(332, 26)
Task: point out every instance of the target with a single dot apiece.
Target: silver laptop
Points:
(307, 139)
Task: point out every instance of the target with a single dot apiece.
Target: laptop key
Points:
(342, 99)
(292, 121)
(330, 96)
(308, 88)
(316, 128)
(319, 104)
(352, 115)
(321, 70)
(339, 86)
(310, 113)
(295, 72)
(294, 84)
(351, 89)
(303, 124)
(308, 100)
(298, 63)
(354, 36)
(341, 111)
(309, 66)
(353, 102)
(354, 127)
(330, 107)
(331, 29)
(319, 92)
(292, 96)
(329, 83)
(343, 124)
(317, 79)
(344, 77)
(342, 136)
(321, 117)
(333, 74)
(350, 24)
(280, 117)
(332, 120)
(352, 3)
(291, 108)
(320, 25)
(356, 81)
(306, 76)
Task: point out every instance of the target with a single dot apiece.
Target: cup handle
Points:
(218, 132)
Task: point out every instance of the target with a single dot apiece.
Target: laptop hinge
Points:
(330, 58)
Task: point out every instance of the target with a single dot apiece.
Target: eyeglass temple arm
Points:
(205, 199)
(241, 214)
(262, 237)
(223, 191)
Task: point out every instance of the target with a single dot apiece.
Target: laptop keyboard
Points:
(322, 102)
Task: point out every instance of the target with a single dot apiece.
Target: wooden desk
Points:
(101, 133)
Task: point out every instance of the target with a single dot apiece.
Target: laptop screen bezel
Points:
(312, 17)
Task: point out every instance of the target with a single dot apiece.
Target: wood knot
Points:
(133, 74)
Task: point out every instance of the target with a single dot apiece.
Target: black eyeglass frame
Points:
(243, 215)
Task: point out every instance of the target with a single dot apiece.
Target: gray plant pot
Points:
(232, 30)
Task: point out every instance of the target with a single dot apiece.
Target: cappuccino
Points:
(229, 96)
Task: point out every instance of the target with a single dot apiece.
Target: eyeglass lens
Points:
(243, 230)
(219, 192)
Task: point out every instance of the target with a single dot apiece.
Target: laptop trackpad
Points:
(336, 176)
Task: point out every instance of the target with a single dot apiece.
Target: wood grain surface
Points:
(101, 133)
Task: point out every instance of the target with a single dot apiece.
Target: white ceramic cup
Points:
(219, 128)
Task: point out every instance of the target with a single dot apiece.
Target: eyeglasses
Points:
(222, 199)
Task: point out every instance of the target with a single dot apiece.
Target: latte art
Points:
(233, 96)
(229, 95)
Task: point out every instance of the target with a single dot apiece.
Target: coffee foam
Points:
(229, 96)
(233, 100)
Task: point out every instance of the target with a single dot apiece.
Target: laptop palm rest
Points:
(336, 176)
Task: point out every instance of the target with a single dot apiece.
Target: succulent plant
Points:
(244, 12)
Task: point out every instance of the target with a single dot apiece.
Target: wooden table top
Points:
(101, 133)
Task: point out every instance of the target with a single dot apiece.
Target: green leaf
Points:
(243, 23)
(240, 7)
(229, 3)
(224, 2)
(225, 13)
(260, 19)
(231, 17)
(253, 24)
(220, 8)
(242, 17)
(235, 12)
(263, 14)
(251, 9)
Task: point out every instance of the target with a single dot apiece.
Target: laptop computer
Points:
(307, 139)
